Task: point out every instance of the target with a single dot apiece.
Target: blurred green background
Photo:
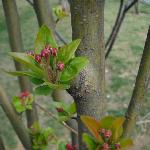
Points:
(121, 66)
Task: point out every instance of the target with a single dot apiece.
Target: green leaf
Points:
(63, 118)
(106, 122)
(93, 125)
(17, 104)
(28, 62)
(43, 38)
(117, 128)
(43, 90)
(73, 68)
(72, 108)
(59, 12)
(36, 81)
(67, 52)
(126, 142)
(21, 73)
(89, 141)
(61, 145)
(57, 86)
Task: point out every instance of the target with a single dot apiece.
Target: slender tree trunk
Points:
(2, 147)
(136, 7)
(88, 90)
(15, 39)
(15, 120)
(140, 89)
(43, 13)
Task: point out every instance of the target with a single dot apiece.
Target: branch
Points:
(123, 9)
(53, 116)
(60, 38)
(116, 22)
(30, 2)
(140, 89)
(15, 120)
(129, 5)
(2, 147)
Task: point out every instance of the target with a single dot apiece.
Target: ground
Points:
(121, 66)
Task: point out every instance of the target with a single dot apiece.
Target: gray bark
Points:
(140, 89)
(88, 90)
(15, 120)
(15, 39)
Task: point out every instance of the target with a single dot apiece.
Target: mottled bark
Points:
(15, 120)
(123, 9)
(87, 19)
(15, 39)
(140, 89)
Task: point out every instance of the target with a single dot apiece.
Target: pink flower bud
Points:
(105, 146)
(102, 130)
(75, 147)
(24, 94)
(117, 146)
(54, 52)
(38, 58)
(69, 147)
(30, 53)
(60, 109)
(45, 53)
(108, 133)
(60, 66)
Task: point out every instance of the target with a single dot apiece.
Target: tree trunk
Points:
(43, 13)
(140, 89)
(136, 7)
(15, 120)
(15, 39)
(88, 90)
(2, 147)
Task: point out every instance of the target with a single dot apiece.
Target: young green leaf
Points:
(59, 12)
(73, 68)
(61, 145)
(43, 38)
(126, 142)
(117, 128)
(72, 108)
(93, 125)
(21, 73)
(67, 52)
(106, 122)
(57, 86)
(43, 90)
(36, 81)
(28, 62)
(89, 141)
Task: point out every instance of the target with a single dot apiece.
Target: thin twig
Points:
(60, 38)
(31, 3)
(130, 5)
(143, 122)
(53, 116)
